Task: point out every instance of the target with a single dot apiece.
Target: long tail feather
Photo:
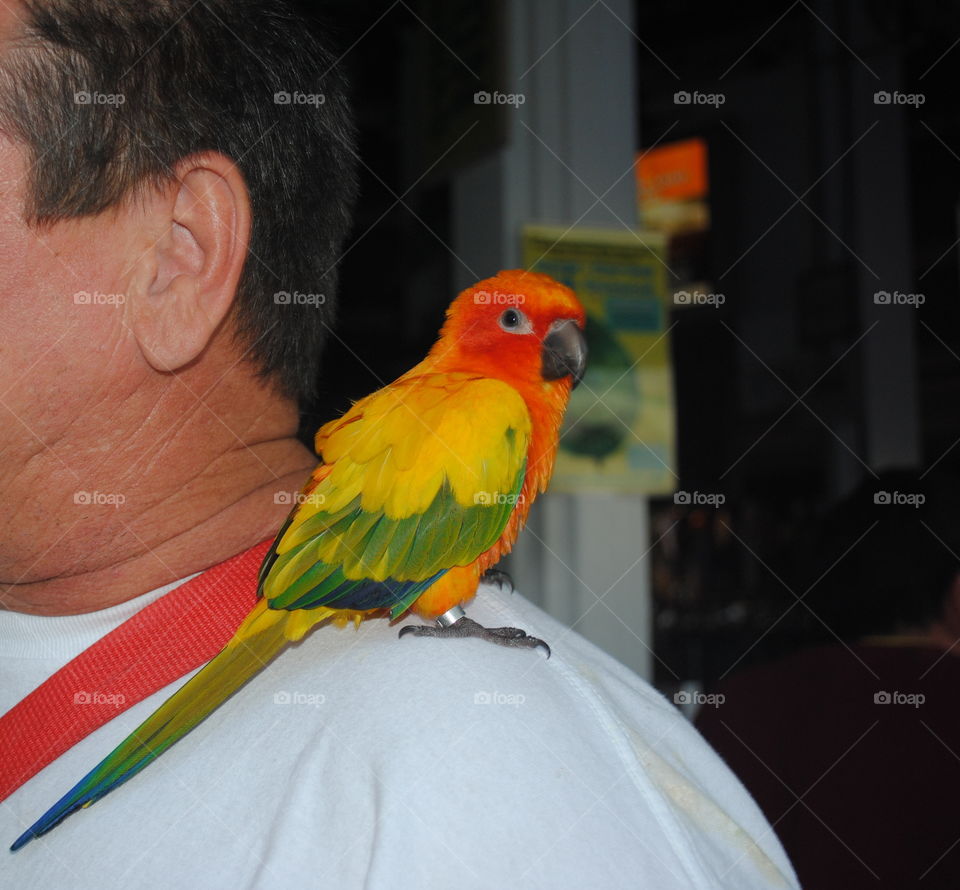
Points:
(261, 636)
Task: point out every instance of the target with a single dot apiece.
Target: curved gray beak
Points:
(564, 352)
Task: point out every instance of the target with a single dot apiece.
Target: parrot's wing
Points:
(417, 478)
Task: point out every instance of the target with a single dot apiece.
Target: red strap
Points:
(163, 641)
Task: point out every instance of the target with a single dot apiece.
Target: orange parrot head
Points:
(521, 327)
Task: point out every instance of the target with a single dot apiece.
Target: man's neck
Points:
(228, 505)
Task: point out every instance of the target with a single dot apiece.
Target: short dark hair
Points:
(194, 77)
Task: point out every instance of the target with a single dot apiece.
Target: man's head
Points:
(108, 100)
(167, 168)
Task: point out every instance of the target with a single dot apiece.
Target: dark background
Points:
(796, 97)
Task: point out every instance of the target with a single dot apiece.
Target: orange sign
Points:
(673, 172)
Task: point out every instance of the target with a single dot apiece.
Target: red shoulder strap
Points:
(163, 641)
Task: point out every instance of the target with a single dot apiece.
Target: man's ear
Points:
(185, 282)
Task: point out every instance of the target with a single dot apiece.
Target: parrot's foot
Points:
(462, 626)
(498, 577)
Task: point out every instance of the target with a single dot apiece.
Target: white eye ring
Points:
(513, 321)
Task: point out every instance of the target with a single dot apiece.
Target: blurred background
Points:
(759, 204)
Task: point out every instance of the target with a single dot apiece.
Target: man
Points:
(159, 192)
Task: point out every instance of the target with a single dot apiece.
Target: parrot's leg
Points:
(454, 623)
(498, 577)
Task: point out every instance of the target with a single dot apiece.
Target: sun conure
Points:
(421, 488)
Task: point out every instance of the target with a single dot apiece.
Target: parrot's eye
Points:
(515, 322)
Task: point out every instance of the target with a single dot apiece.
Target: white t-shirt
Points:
(357, 759)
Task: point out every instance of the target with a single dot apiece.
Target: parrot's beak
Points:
(564, 352)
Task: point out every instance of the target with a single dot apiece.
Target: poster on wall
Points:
(618, 434)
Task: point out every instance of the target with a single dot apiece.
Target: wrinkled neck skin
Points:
(196, 489)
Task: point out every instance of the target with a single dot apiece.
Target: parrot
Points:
(420, 489)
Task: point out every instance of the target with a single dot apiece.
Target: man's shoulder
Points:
(361, 759)
(432, 684)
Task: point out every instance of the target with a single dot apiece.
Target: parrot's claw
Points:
(467, 627)
(498, 577)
